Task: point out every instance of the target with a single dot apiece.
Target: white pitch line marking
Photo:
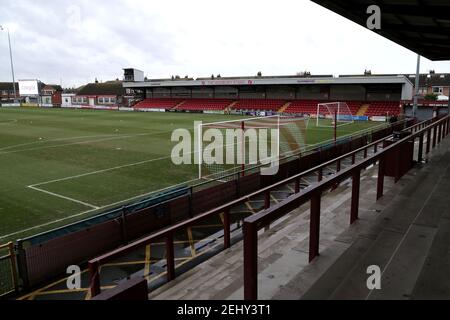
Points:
(108, 169)
(54, 140)
(110, 137)
(92, 210)
(69, 144)
(64, 197)
(100, 171)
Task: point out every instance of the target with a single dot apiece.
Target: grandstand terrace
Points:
(367, 95)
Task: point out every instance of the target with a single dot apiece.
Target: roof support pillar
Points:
(416, 87)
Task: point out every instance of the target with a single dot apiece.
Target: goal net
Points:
(333, 114)
(230, 147)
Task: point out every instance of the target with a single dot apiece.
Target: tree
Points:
(431, 97)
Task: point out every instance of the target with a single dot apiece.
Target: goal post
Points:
(242, 143)
(333, 114)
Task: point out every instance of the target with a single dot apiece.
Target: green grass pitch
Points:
(58, 166)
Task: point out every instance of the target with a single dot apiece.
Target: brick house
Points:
(106, 95)
(7, 91)
(51, 95)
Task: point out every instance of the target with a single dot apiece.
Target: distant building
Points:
(106, 95)
(433, 83)
(51, 95)
(66, 100)
(7, 91)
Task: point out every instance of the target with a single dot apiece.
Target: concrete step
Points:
(411, 246)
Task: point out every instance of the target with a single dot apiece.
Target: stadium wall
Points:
(348, 92)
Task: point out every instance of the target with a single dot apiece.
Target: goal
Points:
(333, 114)
(246, 144)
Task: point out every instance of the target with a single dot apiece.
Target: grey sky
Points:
(76, 41)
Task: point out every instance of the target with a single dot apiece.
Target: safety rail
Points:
(435, 132)
(168, 233)
(8, 273)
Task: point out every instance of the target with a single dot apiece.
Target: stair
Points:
(284, 107)
(178, 105)
(363, 109)
(406, 233)
(409, 241)
(283, 253)
(230, 107)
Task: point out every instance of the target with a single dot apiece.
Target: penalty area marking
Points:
(64, 197)
(88, 211)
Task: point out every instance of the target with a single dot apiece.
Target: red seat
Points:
(162, 103)
(205, 104)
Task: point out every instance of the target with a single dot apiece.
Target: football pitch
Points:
(58, 166)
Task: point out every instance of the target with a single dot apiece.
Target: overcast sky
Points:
(74, 42)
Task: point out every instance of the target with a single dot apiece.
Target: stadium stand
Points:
(259, 104)
(205, 104)
(163, 103)
(381, 108)
(303, 106)
(377, 108)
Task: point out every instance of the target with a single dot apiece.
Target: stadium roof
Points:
(57, 87)
(105, 88)
(396, 79)
(8, 86)
(422, 26)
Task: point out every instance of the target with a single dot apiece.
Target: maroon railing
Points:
(168, 233)
(253, 224)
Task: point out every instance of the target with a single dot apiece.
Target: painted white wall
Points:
(67, 100)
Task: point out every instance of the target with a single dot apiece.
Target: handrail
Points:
(258, 221)
(169, 231)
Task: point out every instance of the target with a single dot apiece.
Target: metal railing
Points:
(8, 274)
(434, 131)
(168, 233)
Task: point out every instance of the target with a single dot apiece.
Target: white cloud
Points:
(77, 41)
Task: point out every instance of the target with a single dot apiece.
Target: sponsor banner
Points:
(10, 105)
(28, 88)
(345, 117)
(99, 107)
(214, 112)
(46, 105)
(149, 110)
(360, 118)
(378, 118)
(105, 107)
(74, 106)
(125, 109)
(29, 105)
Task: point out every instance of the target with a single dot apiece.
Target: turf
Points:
(97, 158)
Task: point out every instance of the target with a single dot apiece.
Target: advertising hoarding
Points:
(28, 87)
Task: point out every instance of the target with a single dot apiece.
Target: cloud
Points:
(77, 41)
